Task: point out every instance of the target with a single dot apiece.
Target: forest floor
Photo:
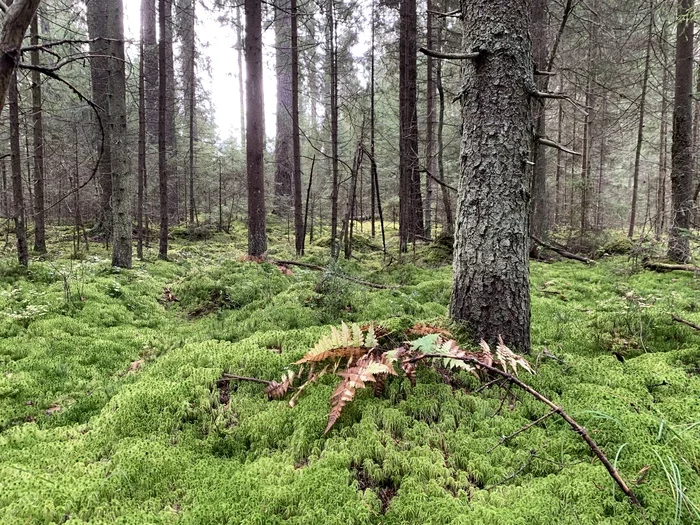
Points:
(112, 410)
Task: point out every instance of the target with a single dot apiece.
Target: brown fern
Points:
(420, 330)
(349, 341)
(277, 390)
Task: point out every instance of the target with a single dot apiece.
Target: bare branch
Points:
(448, 56)
(555, 145)
(683, 321)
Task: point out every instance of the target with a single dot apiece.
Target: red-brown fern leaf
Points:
(354, 378)
(420, 330)
(276, 390)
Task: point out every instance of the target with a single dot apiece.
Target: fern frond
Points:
(346, 342)
(507, 358)
(277, 390)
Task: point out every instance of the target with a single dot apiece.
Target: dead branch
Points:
(244, 378)
(665, 267)
(556, 145)
(576, 427)
(323, 269)
(439, 14)
(520, 430)
(441, 183)
(683, 321)
(562, 252)
(448, 56)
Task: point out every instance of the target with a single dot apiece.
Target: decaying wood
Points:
(323, 269)
(666, 267)
(562, 252)
(683, 321)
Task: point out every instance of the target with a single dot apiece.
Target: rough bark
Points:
(446, 202)
(410, 200)
(122, 186)
(14, 25)
(187, 20)
(18, 211)
(430, 157)
(141, 180)
(38, 132)
(284, 147)
(681, 150)
(490, 294)
(296, 149)
(663, 140)
(257, 240)
(333, 71)
(150, 67)
(163, 168)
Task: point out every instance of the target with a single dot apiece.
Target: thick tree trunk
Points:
(681, 150)
(410, 200)
(38, 129)
(257, 240)
(640, 128)
(122, 186)
(284, 147)
(490, 294)
(17, 189)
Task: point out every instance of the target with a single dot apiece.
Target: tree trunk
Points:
(186, 25)
(141, 180)
(681, 150)
(446, 202)
(122, 186)
(296, 150)
(284, 146)
(150, 68)
(431, 159)
(640, 129)
(257, 240)
(333, 70)
(372, 118)
(239, 59)
(490, 294)
(410, 205)
(663, 140)
(17, 189)
(558, 182)
(38, 129)
(163, 168)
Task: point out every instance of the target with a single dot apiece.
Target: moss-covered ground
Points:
(111, 410)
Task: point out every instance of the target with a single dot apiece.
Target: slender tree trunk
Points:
(99, 29)
(601, 165)
(284, 147)
(17, 189)
(640, 129)
(663, 140)
(141, 180)
(38, 128)
(150, 68)
(296, 150)
(539, 223)
(163, 168)
(491, 294)
(446, 202)
(431, 159)
(681, 150)
(372, 117)
(558, 182)
(257, 239)
(241, 87)
(187, 15)
(333, 63)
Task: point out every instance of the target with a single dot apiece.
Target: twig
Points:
(322, 269)
(580, 430)
(520, 430)
(244, 378)
(441, 183)
(562, 252)
(514, 474)
(683, 321)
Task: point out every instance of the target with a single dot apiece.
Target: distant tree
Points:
(257, 238)
(490, 294)
(163, 164)
(38, 132)
(284, 154)
(18, 212)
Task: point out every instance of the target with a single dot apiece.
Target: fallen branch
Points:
(448, 56)
(665, 267)
(556, 145)
(576, 427)
(323, 269)
(562, 252)
(520, 430)
(683, 321)
(244, 378)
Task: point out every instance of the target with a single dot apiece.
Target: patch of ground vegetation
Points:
(113, 408)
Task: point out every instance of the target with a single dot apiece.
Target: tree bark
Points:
(150, 68)
(141, 180)
(122, 186)
(17, 189)
(446, 202)
(257, 240)
(333, 71)
(490, 294)
(163, 168)
(430, 157)
(296, 149)
(38, 131)
(663, 139)
(186, 24)
(410, 205)
(681, 150)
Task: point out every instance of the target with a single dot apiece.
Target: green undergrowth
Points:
(112, 407)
